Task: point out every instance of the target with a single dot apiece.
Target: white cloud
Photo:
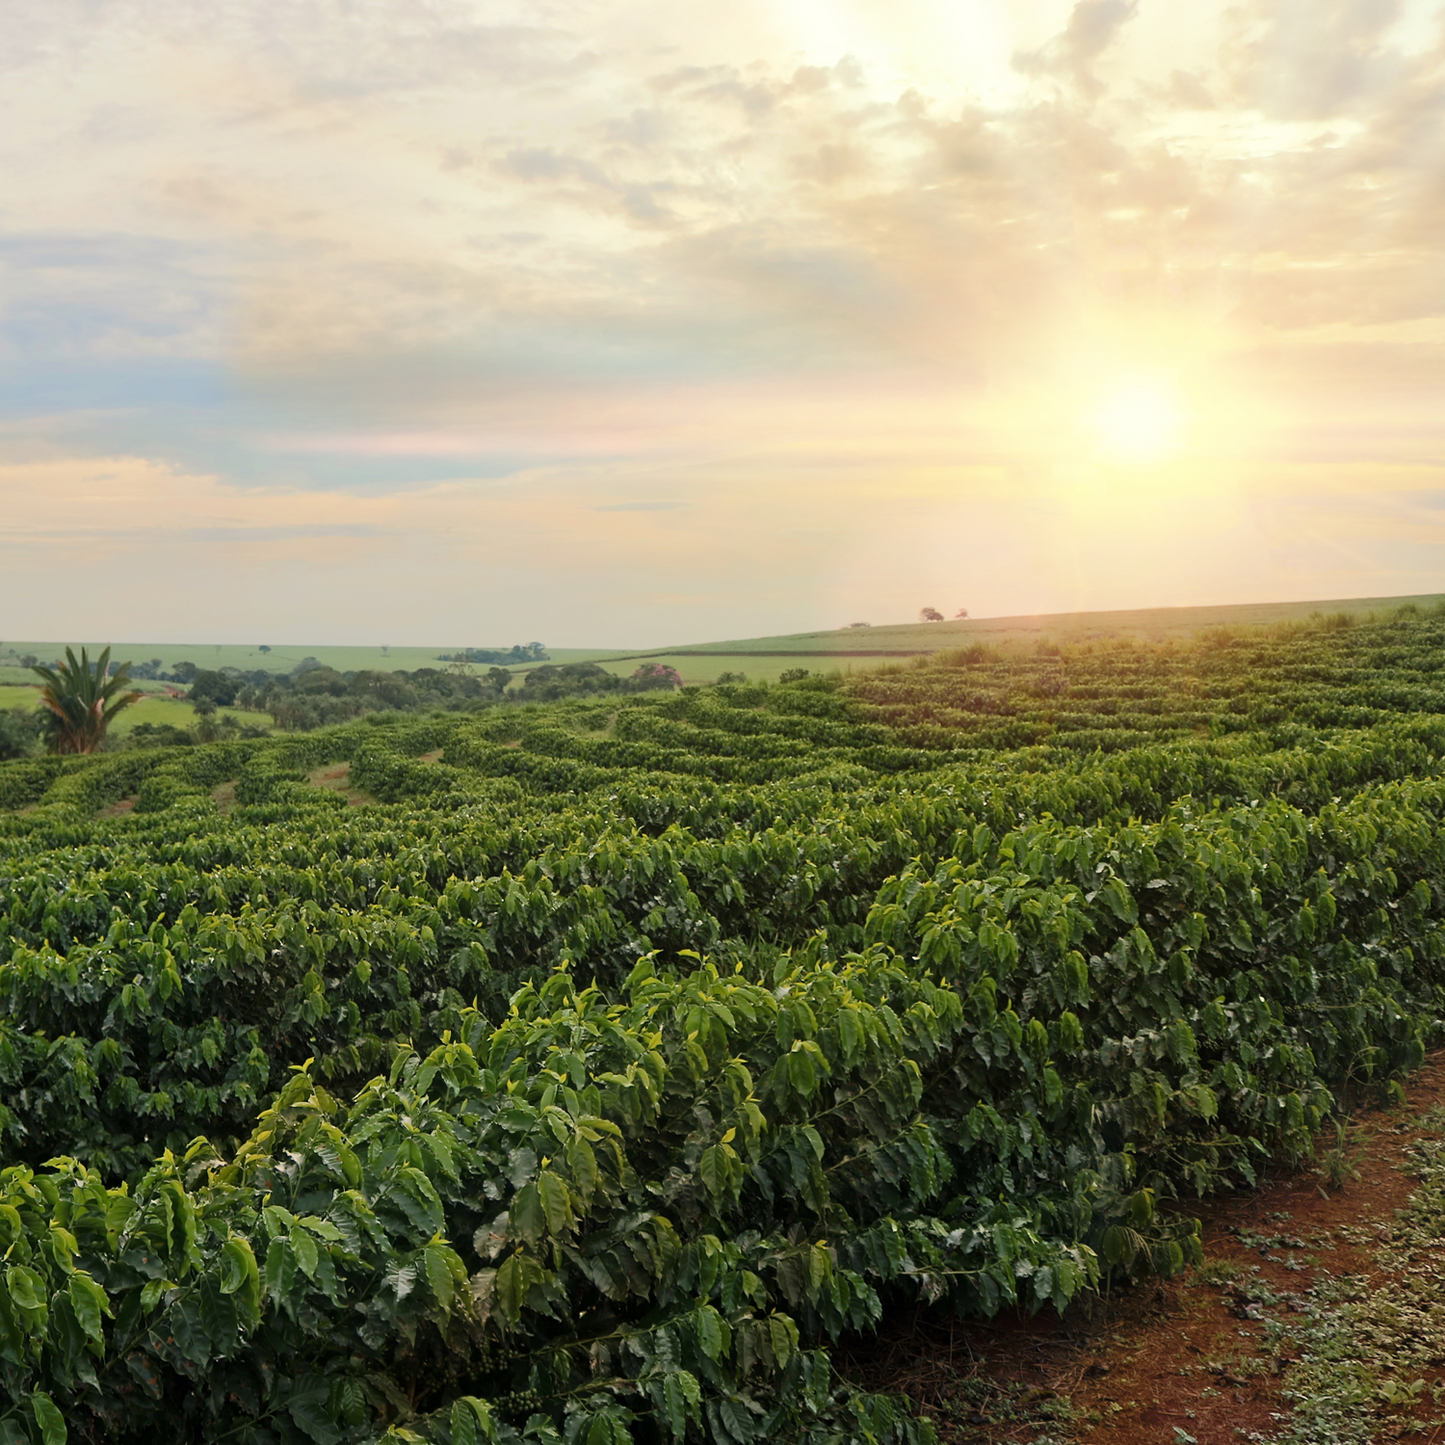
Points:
(350, 256)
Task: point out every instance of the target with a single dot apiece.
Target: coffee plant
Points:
(618, 1056)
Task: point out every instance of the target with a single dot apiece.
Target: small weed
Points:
(1338, 1166)
(1356, 1353)
(1396, 1392)
(1217, 1272)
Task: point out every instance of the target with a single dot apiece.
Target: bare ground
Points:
(1314, 1318)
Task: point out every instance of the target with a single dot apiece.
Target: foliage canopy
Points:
(82, 698)
(584, 1087)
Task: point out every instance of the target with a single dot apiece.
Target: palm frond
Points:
(82, 700)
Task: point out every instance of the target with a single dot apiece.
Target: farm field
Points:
(699, 669)
(153, 707)
(278, 659)
(1160, 624)
(593, 1072)
(764, 658)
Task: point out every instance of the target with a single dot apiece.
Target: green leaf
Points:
(582, 1161)
(238, 1265)
(154, 1290)
(218, 1314)
(280, 1270)
(279, 1222)
(783, 1336)
(307, 1251)
(309, 1413)
(464, 1424)
(510, 1287)
(527, 1217)
(482, 1414)
(63, 1247)
(680, 1395)
(27, 1289)
(555, 1202)
(49, 1419)
(189, 1332)
(90, 1302)
(715, 1170)
(439, 1275)
(712, 1332)
(737, 1419)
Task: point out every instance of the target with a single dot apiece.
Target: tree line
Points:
(81, 697)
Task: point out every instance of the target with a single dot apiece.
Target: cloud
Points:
(1315, 59)
(365, 254)
(640, 507)
(1070, 55)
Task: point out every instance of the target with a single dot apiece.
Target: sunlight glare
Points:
(1138, 421)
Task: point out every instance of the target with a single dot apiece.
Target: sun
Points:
(1137, 421)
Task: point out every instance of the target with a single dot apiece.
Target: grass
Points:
(763, 659)
(698, 670)
(153, 708)
(701, 662)
(179, 713)
(279, 659)
(1360, 1354)
(1158, 624)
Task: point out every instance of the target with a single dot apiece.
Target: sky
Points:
(615, 322)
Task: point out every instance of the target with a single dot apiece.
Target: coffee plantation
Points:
(623, 1054)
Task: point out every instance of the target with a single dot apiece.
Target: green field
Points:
(700, 669)
(26, 697)
(700, 662)
(250, 659)
(580, 1074)
(1158, 624)
(764, 659)
(154, 707)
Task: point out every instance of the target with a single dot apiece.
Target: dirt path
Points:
(1318, 1318)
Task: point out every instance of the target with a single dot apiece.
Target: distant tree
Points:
(158, 735)
(962, 612)
(184, 672)
(655, 675)
(20, 730)
(792, 674)
(860, 624)
(216, 687)
(82, 698)
(500, 679)
(29, 660)
(318, 678)
(532, 652)
(206, 721)
(552, 682)
(726, 677)
(263, 649)
(930, 614)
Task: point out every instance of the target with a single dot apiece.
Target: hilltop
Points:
(763, 659)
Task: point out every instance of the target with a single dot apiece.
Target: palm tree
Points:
(82, 701)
